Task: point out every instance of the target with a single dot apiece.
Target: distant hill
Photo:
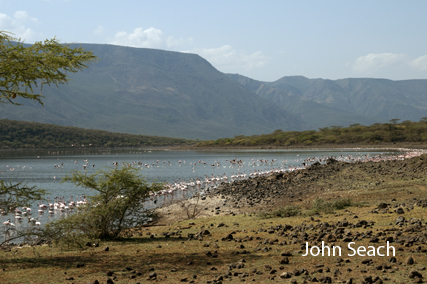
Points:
(321, 103)
(406, 133)
(22, 134)
(155, 92)
(171, 94)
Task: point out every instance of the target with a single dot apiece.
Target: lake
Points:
(46, 169)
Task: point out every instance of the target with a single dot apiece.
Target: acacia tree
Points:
(24, 70)
(117, 206)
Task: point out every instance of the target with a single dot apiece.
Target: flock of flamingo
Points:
(211, 182)
(61, 205)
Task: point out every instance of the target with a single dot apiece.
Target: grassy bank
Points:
(405, 133)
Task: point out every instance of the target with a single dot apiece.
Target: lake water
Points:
(46, 169)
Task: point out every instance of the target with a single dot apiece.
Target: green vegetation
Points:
(318, 206)
(322, 206)
(287, 211)
(23, 72)
(25, 69)
(116, 207)
(407, 131)
(23, 134)
(14, 195)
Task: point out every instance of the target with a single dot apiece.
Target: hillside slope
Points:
(155, 92)
(378, 100)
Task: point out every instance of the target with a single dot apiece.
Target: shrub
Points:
(320, 205)
(287, 211)
(118, 206)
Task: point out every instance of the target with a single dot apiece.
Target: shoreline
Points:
(386, 146)
(225, 193)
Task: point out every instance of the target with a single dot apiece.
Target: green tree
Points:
(24, 70)
(116, 207)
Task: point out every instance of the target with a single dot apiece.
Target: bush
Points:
(320, 205)
(118, 206)
(287, 211)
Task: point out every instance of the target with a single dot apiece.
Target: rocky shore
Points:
(293, 187)
(298, 187)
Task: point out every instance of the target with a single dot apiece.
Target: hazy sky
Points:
(264, 40)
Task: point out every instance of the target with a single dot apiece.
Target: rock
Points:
(410, 260)
(399, 210)
(229, 237)
(106, 248)
(415, 221)
(366, 261)
(286, 253)
(110, 273)
(414, 274)
(286, 275)
(284, 260)
(382, 205)
(399, 220)
(325, 279)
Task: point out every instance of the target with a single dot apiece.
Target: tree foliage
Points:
(25, 69)
(14, 195)
(32, 135)
(393, 132)
(117, 206)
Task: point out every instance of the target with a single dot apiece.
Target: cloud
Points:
(172, 42)
(149, 38)
(226, 57)
(420, 63)
(18, 24)
(375, 62)
(99, 30)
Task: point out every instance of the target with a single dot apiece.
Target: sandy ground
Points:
(192, 208)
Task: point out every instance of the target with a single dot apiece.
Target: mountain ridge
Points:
(155, 92)
(166, 93)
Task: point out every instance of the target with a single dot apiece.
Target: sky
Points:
(263, 40)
